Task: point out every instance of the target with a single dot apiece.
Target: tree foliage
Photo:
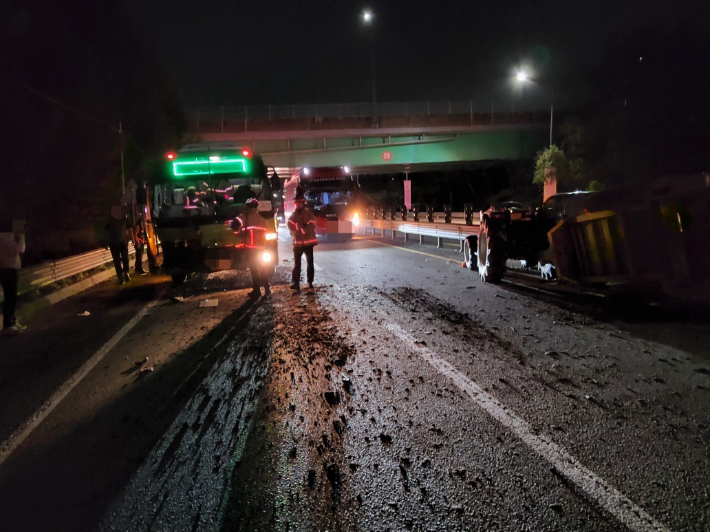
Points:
(70, 72)
(650, 113)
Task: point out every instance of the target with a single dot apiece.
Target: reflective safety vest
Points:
(255, 230)
(302, 225)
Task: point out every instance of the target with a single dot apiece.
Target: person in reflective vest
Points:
(255, 243)
(302, 225)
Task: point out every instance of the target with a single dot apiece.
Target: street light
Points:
(522, 77)
(367, 18)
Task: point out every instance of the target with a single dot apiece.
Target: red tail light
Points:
(170, 155)
(246, 152)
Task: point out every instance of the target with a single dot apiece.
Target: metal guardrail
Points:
(44, 274)
(456, 230)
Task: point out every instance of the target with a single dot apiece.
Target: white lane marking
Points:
(317, 268)
(19, 436)
(604, 494)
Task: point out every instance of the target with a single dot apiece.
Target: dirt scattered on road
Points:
(292, 473)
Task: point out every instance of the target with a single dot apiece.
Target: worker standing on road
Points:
(117, 228)
(139, 245)
(255, 227)
(302, 225)
(12, 244)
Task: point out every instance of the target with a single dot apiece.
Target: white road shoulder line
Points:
(16, 439)
(596, 488)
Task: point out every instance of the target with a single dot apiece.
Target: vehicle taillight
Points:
(246, 152)
(170, 155)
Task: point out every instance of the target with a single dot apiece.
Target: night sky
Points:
(225, 52)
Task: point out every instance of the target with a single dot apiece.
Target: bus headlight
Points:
(356, 220)
(266, 256)
(271, 236)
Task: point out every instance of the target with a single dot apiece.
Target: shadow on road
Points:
(67, 481)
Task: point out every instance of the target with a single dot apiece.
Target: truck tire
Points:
(470, 249)
(491, 253)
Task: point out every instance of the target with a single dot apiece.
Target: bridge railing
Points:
(230, 118)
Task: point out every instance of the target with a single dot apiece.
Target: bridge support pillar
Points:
(394, 234)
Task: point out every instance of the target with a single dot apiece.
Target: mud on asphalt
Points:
(352, 432)
(351, 435)
(291, 474)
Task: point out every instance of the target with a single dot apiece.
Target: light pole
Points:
(522, 77)
(367, 18)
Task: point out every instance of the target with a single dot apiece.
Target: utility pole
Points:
(123, 171)
(552, 107)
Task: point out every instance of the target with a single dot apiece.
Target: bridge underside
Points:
(393, 151)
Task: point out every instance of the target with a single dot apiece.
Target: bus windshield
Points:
(211, 183)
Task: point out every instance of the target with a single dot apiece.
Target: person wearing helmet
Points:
(255, 228)
(302, 225)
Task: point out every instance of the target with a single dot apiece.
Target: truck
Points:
(198, 202)
(508, 230)
(332, 195)
(650, 238)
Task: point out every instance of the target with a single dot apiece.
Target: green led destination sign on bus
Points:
(209, 164)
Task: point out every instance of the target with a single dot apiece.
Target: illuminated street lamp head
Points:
(367, 16)
(521, 76)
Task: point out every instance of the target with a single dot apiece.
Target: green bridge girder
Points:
(399, 152)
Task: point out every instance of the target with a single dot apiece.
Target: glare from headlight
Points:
(356, 220)
(271, 236)
(266, 256)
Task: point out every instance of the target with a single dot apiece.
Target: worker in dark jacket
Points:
(12, 244)
(255, 228)
(117, 228)
(302, 225)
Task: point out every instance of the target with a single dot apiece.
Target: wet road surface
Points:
(403, 394)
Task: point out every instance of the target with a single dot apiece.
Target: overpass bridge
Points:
(401, 137)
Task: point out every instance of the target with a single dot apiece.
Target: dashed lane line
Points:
(605, 495)
(21, 434)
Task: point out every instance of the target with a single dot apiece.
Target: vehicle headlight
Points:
(271, 236)
(266, 256)
(356, 220)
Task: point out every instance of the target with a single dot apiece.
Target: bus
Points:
(332, 194)
(197, 207)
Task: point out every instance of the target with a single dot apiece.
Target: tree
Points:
(550, 157)
(69, 73)
(649, 115)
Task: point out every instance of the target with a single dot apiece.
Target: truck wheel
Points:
(491, 253)
(470, 246)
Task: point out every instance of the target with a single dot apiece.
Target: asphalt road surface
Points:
(402, 394)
